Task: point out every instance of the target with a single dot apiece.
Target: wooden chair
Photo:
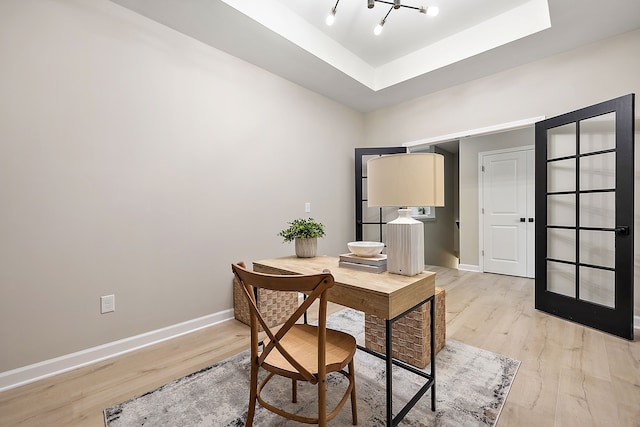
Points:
(298, 351)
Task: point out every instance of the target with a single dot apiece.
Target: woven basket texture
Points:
(411, 334)
(276, 306)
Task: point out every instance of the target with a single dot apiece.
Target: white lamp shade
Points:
(405, 180)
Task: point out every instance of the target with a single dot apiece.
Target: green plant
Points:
(302, 229)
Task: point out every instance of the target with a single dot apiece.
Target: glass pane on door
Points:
(598, 248)
(561, 141)
(597, 286)
(598, 172)
(561, 244)
(561, 279)
(371, 232)
(598, 210)
(561, 209)
(598, 133)
(370, 214)
(561, 176)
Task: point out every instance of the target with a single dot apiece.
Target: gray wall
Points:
(137, 161)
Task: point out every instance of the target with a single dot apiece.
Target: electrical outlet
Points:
(107, 304)
(307, 207)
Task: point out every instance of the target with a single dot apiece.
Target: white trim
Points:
(636, 323)
(37, 371)
(518, 124)
(469, 267)
(507, 150)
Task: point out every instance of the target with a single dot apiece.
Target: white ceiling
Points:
(405, 31)
(415, 54)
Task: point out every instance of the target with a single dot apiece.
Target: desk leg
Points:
(432, 313)
(389, 374)
(388, 357)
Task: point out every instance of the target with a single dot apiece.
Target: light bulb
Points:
(378, 29)
(331, 17)
(433, 10)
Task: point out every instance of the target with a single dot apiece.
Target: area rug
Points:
(472, 385)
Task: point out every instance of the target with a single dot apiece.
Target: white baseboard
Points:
(636, 322)
(37, 371)
(469, 267)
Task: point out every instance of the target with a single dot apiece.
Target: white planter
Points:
(306, 248)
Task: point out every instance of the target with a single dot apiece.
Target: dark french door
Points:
(584, 216)
(370, 221)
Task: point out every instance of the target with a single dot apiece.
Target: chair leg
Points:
(322, 402)
(352, 378)
(294, 391)
(253, 393)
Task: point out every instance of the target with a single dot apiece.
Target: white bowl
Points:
(365, 249)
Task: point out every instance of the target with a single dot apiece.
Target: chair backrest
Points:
(315, 286)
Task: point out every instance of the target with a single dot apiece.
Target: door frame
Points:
(481, 156)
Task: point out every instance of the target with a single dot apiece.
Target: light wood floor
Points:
(570, 375)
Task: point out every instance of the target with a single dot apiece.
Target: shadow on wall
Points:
(441, 237)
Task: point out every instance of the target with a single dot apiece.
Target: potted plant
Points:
(305, 232)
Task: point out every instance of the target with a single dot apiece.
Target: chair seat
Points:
(302, 343)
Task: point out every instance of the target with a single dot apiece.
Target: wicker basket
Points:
(276, 306)
(410, 335)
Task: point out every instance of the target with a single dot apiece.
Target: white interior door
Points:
(507, 207)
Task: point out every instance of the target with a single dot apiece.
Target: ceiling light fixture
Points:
(395, 4)
(431, 10)
(331, 18)
(378, 29)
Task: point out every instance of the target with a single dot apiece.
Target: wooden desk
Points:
(385, 295)
(388, 296)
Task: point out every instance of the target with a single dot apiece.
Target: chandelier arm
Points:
(401, 5)
(385, 16)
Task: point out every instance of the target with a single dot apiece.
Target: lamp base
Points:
(405, 245)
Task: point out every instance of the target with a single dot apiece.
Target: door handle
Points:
(530, 219)
(623, 230)
(522, 220)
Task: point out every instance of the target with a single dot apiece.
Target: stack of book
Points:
(374, 264)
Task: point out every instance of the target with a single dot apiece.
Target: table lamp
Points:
(405, 180)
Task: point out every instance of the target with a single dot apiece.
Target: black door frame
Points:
(617, 320)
